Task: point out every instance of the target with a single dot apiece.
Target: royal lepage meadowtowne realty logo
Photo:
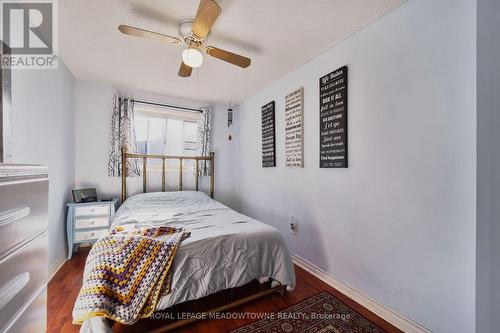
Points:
(29, 34)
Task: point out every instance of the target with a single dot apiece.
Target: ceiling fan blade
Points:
(208, 12)
(229, 57)
(138, 32)
(185, 70)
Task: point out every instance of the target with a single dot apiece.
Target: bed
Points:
(226, 249)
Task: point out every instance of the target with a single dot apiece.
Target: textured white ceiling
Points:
(278, 35)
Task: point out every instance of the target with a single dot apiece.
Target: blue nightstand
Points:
(88, 222)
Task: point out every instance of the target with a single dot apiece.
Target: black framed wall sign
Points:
(294, 128)
(268, 135)
(333, 119)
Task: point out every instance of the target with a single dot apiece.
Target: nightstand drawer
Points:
(96, 222)
(92, 210)
(81, 236)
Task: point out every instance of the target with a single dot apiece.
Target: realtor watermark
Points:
(250, 315)
(29, 31)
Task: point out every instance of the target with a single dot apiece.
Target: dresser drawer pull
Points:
(13, 215)
(12, 288)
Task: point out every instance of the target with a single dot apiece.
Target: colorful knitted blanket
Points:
(125, 274)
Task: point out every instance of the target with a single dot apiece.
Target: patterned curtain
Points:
(122, 135)
(203, 139)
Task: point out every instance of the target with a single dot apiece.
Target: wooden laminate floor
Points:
(64, 286)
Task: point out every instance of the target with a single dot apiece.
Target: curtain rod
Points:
(166, 105)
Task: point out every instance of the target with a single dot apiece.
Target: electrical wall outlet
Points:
(293, 224)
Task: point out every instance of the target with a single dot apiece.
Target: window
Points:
(166, 132)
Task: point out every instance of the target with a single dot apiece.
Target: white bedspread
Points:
(226, 249)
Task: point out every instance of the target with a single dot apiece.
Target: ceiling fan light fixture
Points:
(192, 57)
(193, 33)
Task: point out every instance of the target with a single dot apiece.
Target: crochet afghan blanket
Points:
(125, 274)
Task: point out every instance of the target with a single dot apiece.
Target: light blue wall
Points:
(399, 223)
(43, 117)
(488, 161)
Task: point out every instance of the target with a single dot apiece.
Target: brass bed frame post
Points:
(212, 176)
(180, 174)
(124, 174)
(163, 175)
(144, 180)
(165, 158)
(196, 173)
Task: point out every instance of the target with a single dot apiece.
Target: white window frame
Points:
(166, 113)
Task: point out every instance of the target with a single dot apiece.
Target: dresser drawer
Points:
(22, 273)
(93, 222)
(92, 210)
(23, 211)
(81, 236)
(34, 318)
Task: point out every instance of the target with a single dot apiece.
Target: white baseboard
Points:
(404, 324)
(55, 268)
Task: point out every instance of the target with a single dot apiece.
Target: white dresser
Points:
(23, 248)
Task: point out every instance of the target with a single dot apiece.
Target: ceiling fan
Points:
(194, 34)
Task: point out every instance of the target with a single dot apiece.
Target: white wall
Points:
(488, 167)
(43, 133)
(93, 130)
(399, 223)
(226, 188)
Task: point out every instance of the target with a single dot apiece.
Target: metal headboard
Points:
(145, 157)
